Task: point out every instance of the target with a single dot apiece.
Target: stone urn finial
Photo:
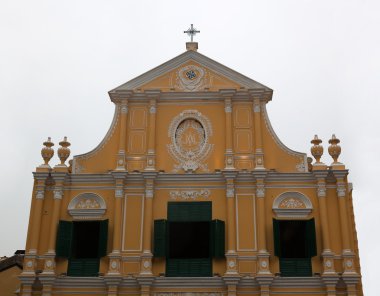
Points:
(334, 148)
(47, 152)
(317, 149)
(63, 151)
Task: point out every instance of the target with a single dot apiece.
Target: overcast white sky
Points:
(58, 60)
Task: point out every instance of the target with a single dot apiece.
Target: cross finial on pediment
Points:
(191, 32)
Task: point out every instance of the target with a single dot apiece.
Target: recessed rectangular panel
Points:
(136, 143)
(245, 222)
(243, 142)
(138, 118)
(133, 216)
(242, 116)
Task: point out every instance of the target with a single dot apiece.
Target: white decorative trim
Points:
(302, 156)
(190, 159)
(189, 194)
(228, 108)
(149, 193)
(40, 194)
(58, 193)
(119, 192)
(341, 190)
(292, 205)
(77, 167)
(321, 190)
(260, 190)
(230, 192)
(256, 107)
(152, 109)
(87, 206)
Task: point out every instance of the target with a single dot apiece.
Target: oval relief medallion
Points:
(189, 133)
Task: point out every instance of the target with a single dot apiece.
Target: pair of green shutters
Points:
(188, 212)
(296, 267)
(64, 248)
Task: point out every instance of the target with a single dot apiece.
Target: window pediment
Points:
(292, 205)
(87, 206)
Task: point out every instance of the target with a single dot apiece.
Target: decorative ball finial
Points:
(316, 150)
(63, 151)
(47, 152)
(334, 148)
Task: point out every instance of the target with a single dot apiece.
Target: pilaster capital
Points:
(230, 190)
(227, 105)
(256, 105)
(260, 190)
(321, 190)
(58, 192)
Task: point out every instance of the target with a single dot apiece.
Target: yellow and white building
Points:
(191, 192)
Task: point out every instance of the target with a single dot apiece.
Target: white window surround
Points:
(292, 205)
(87, 206)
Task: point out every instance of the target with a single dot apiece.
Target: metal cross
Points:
(191, 32)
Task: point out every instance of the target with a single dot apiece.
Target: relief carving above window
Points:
(292, 205)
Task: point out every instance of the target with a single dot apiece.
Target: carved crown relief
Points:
(189, 133)
(292, 205)
(87, 206)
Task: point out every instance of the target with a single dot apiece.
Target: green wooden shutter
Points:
(189, 211)
(311, 245)
(83, 267)
(103, 236)
(217, 238)
(276, 237)
(64, 239)
(160, 229)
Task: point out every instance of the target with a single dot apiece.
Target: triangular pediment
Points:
(191, 71)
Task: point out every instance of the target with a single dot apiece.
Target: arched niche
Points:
(292, 205)
(87, 206)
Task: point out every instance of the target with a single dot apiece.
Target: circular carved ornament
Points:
(146, 264)
(231, 264)
(49, 264)
(349, 263)
(328, 264)
(264, 264)
(189, 133)
(29, 264)
(113, 265)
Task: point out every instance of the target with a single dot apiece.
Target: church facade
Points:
(191, 192)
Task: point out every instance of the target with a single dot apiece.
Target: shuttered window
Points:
(103, 235)
(311, 246)
(217, 239)
(64, 239)
(160, 238)
(83, 243)
(83, 267)
(294, 244)
(189, 239)
(189, 211)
